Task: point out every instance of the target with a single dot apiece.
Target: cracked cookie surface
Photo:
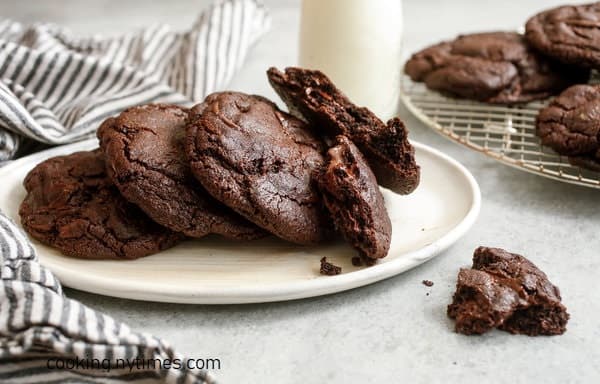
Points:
(570, 125)
(145, 159)
(353, 198)
(311, 95)
(570, 34)
(506, 291)
(71, 205)
(495, 67)
(259, 161)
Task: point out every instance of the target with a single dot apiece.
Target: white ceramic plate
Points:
(214, 271)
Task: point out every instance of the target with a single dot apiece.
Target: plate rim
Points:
(280, 291)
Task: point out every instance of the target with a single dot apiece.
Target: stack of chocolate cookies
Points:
(556, 54)
(234, 165)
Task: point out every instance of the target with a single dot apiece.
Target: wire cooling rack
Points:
(504, 133)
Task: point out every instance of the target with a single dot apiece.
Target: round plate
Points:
(504, 133)
(216, 271)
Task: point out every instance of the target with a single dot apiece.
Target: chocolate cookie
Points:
(145, 159)
(71, 205)
(259, 161)
(506, 291)
(495, 67)
(570, 34)
(571, 125)
(311, 95)
(352, 196)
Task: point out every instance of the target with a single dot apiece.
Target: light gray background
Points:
(390, 331)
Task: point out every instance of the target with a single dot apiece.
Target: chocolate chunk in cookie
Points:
(570, 125)
(352, 196)
(495, 67)
(506, 291)
(311, 95)
(570, 34)
(145, 159)
(71, 205)
(259, 161)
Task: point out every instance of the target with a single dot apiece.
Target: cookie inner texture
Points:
(351, 198)
(509, 292)
(352, 121)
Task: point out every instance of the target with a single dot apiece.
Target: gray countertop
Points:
(390, 331)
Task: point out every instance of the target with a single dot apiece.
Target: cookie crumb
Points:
(328, 268)
(356, 261)
(428, 283)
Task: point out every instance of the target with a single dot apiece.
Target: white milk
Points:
(357, 43)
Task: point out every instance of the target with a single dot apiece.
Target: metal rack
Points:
(504, 133)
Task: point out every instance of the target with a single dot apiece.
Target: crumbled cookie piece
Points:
(506, 291)
(329, 269)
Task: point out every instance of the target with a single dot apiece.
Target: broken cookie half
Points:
(506, 291)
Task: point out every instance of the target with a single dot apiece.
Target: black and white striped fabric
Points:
(40, 327)
(54, 89)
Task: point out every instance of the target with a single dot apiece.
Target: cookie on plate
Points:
(568, 33)
(311, 95)
(145, 159)
(570, 125)
(506, 291)
(259, 161)
(353, 198)
(494, 67)
(71, 205)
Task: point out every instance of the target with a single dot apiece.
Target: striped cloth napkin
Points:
(56, 88)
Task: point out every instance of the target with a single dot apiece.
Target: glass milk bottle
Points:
(357, 44)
